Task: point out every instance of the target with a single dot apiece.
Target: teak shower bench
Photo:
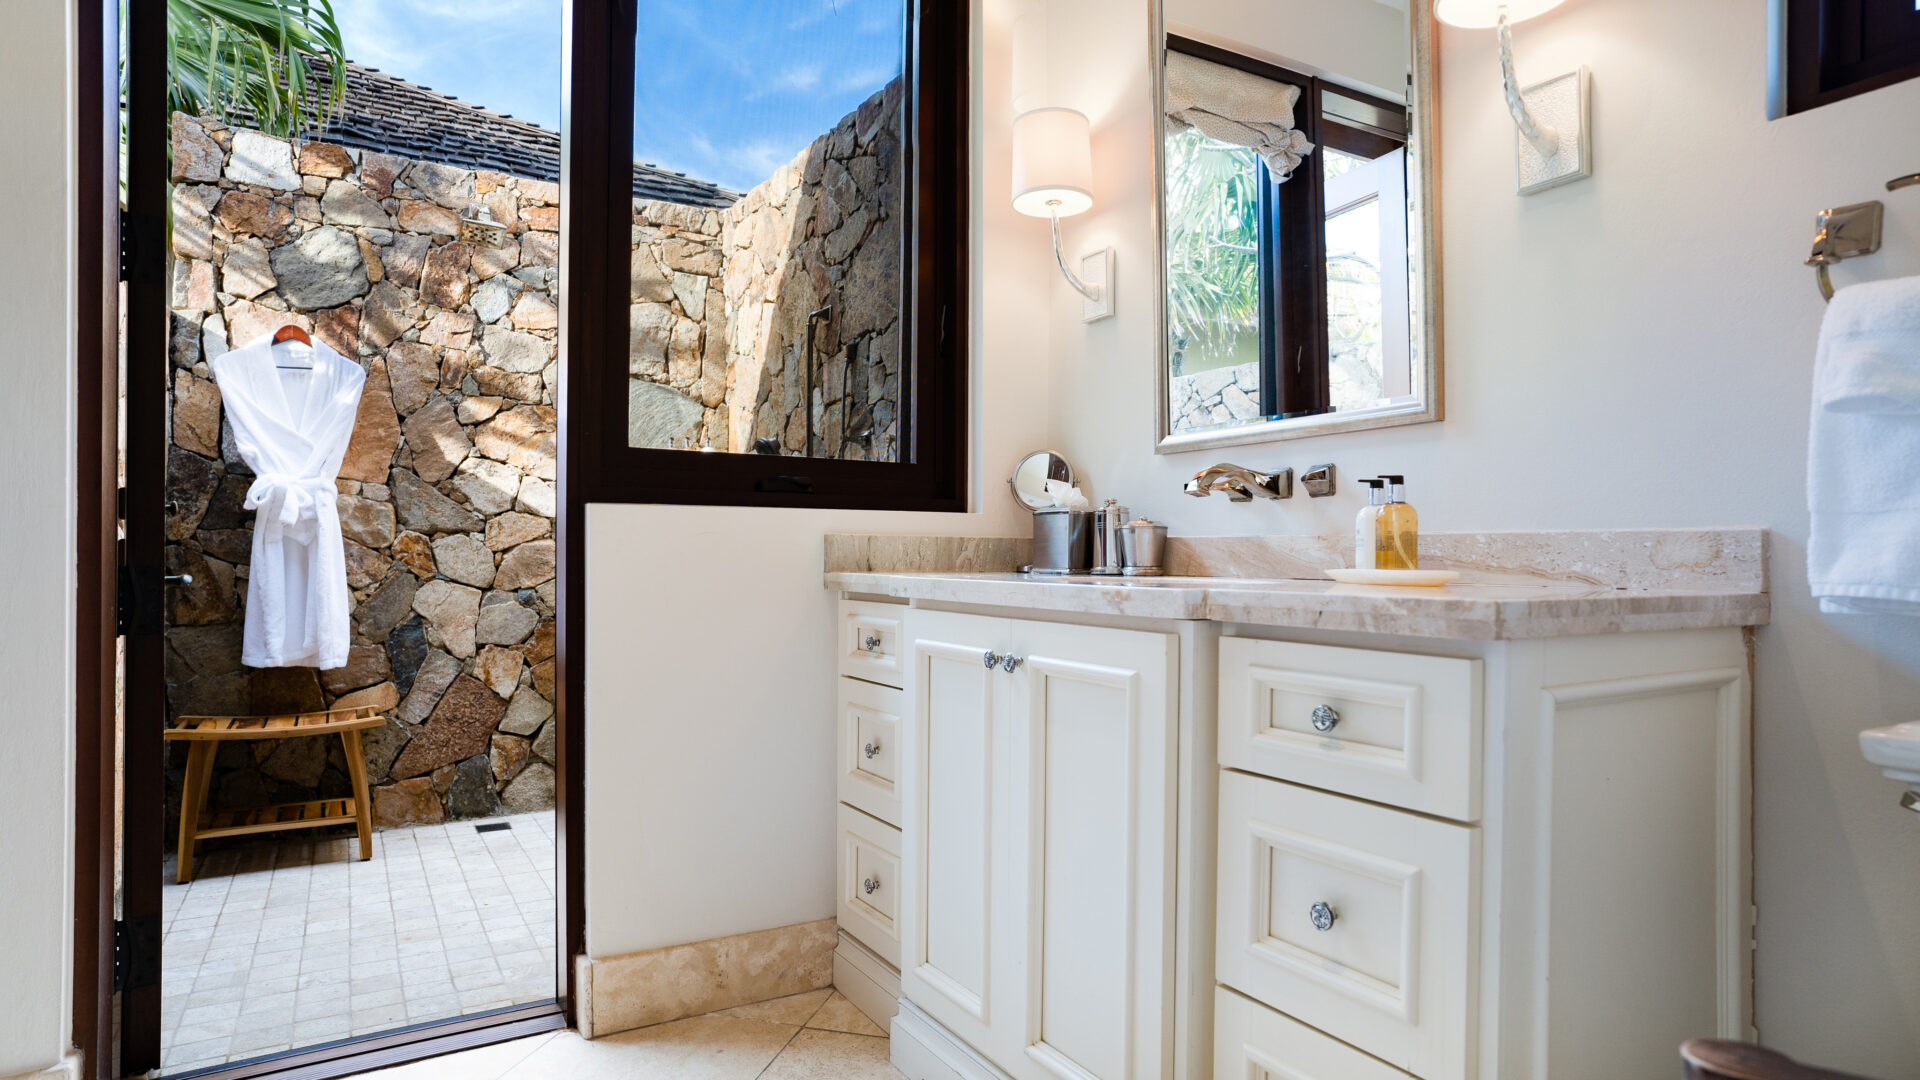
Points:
(203, 734)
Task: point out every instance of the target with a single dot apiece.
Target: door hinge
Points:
(136, 952)
(138, 600)
(142, 248)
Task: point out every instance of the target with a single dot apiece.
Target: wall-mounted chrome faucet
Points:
(1242, 484)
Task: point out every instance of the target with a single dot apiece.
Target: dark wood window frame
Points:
(1294, 379)
(1827, 52)
(934, 304)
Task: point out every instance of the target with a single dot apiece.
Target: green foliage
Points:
(257, 57)
(1213, 246)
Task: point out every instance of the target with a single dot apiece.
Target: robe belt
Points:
(301, 495)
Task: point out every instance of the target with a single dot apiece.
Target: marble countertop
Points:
(1465, 609)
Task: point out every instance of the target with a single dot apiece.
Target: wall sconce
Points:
(1053, 178)
(1555, 143)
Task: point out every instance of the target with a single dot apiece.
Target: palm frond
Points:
(262, 58)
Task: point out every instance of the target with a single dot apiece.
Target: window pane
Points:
(1354, 302)
(767, 227)
(1213, 281)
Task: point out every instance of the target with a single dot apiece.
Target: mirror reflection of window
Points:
(1295, 285)
(767, 278)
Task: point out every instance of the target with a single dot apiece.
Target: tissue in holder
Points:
(1067, 495)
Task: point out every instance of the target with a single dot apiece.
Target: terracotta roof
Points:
(390, 115)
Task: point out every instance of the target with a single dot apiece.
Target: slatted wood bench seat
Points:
(203, 735)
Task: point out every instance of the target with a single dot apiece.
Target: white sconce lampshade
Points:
(1480, 14)
(1052, 163)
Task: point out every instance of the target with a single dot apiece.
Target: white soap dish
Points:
(1422, 578)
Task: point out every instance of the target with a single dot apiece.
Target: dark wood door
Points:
(142, 508)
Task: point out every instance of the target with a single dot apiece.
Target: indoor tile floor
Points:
(812, 1036)
(295, 942)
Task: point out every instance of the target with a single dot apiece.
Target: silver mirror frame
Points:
(1423, 235)
(1040, 499)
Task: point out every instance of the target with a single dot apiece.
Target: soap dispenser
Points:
(1366, 527)
(1397, 537)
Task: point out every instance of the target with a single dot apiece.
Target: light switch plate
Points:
(1562, 104)
(1097, 270)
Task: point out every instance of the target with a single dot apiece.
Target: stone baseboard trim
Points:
(67, 1068)
(620, 993)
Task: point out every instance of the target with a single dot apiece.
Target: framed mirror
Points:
(1299, 285)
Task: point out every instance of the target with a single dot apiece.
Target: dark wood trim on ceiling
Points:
(934, 393)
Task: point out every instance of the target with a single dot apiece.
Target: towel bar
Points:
(1847, 231)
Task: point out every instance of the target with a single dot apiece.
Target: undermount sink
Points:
(1896, 750)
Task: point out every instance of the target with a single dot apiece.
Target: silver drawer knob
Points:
(872, 643)
(870, 886)
(872, 749)
(992, 659)
(1323, 915)
(1324, 717)
(1010, 661)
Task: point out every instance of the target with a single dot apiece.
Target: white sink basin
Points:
(1896, 750)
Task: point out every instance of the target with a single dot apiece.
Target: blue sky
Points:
(727, 90)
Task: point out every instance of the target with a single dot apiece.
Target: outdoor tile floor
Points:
(294, 942)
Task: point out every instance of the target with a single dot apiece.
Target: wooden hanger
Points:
(290, 332)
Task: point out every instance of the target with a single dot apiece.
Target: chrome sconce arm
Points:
(1091, 292)
(1545, 138)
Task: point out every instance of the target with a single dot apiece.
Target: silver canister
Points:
(1106, 537)
(1062, 541)
(1143, 547)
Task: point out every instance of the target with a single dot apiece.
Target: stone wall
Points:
(447, 490)
(721, 298)
(1226, 395)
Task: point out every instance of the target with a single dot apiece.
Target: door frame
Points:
(99, 257)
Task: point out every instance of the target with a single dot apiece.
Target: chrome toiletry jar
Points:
(1106, 537)
(1143, 548)
(1062, 541)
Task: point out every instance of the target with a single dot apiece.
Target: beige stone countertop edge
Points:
(1467, 611)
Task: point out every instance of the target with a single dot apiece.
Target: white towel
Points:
(1863, 457)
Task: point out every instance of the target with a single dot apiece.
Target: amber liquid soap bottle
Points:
(1397, 537)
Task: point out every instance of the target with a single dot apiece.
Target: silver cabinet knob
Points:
(1323, 915)
(1324, 717)
(872, 643)
(872, 749)
(992, 659)
(870, 885)
(1010, 661)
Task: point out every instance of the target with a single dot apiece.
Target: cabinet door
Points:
(953, 783)
(1087, 937)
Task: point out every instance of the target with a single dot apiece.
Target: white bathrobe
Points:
(292, 427)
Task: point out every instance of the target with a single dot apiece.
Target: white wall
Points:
(37, 552)
(710, 670)
(1629, 351)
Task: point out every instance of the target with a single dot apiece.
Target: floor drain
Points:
(493, 826)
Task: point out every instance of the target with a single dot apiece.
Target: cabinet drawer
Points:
(869, 876)
(1396, 728)
(870, 748)
(870, 641)
(1354, 918)
(1252, 1042)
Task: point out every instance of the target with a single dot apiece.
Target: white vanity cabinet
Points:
(1038, 823)
(1134, 847)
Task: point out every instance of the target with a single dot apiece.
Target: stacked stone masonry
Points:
(1221, 396)
(447, 489)
(720, 302)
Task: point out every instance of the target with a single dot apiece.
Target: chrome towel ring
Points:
(1847, 231)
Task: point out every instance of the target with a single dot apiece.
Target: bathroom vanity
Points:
(1248, 826)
